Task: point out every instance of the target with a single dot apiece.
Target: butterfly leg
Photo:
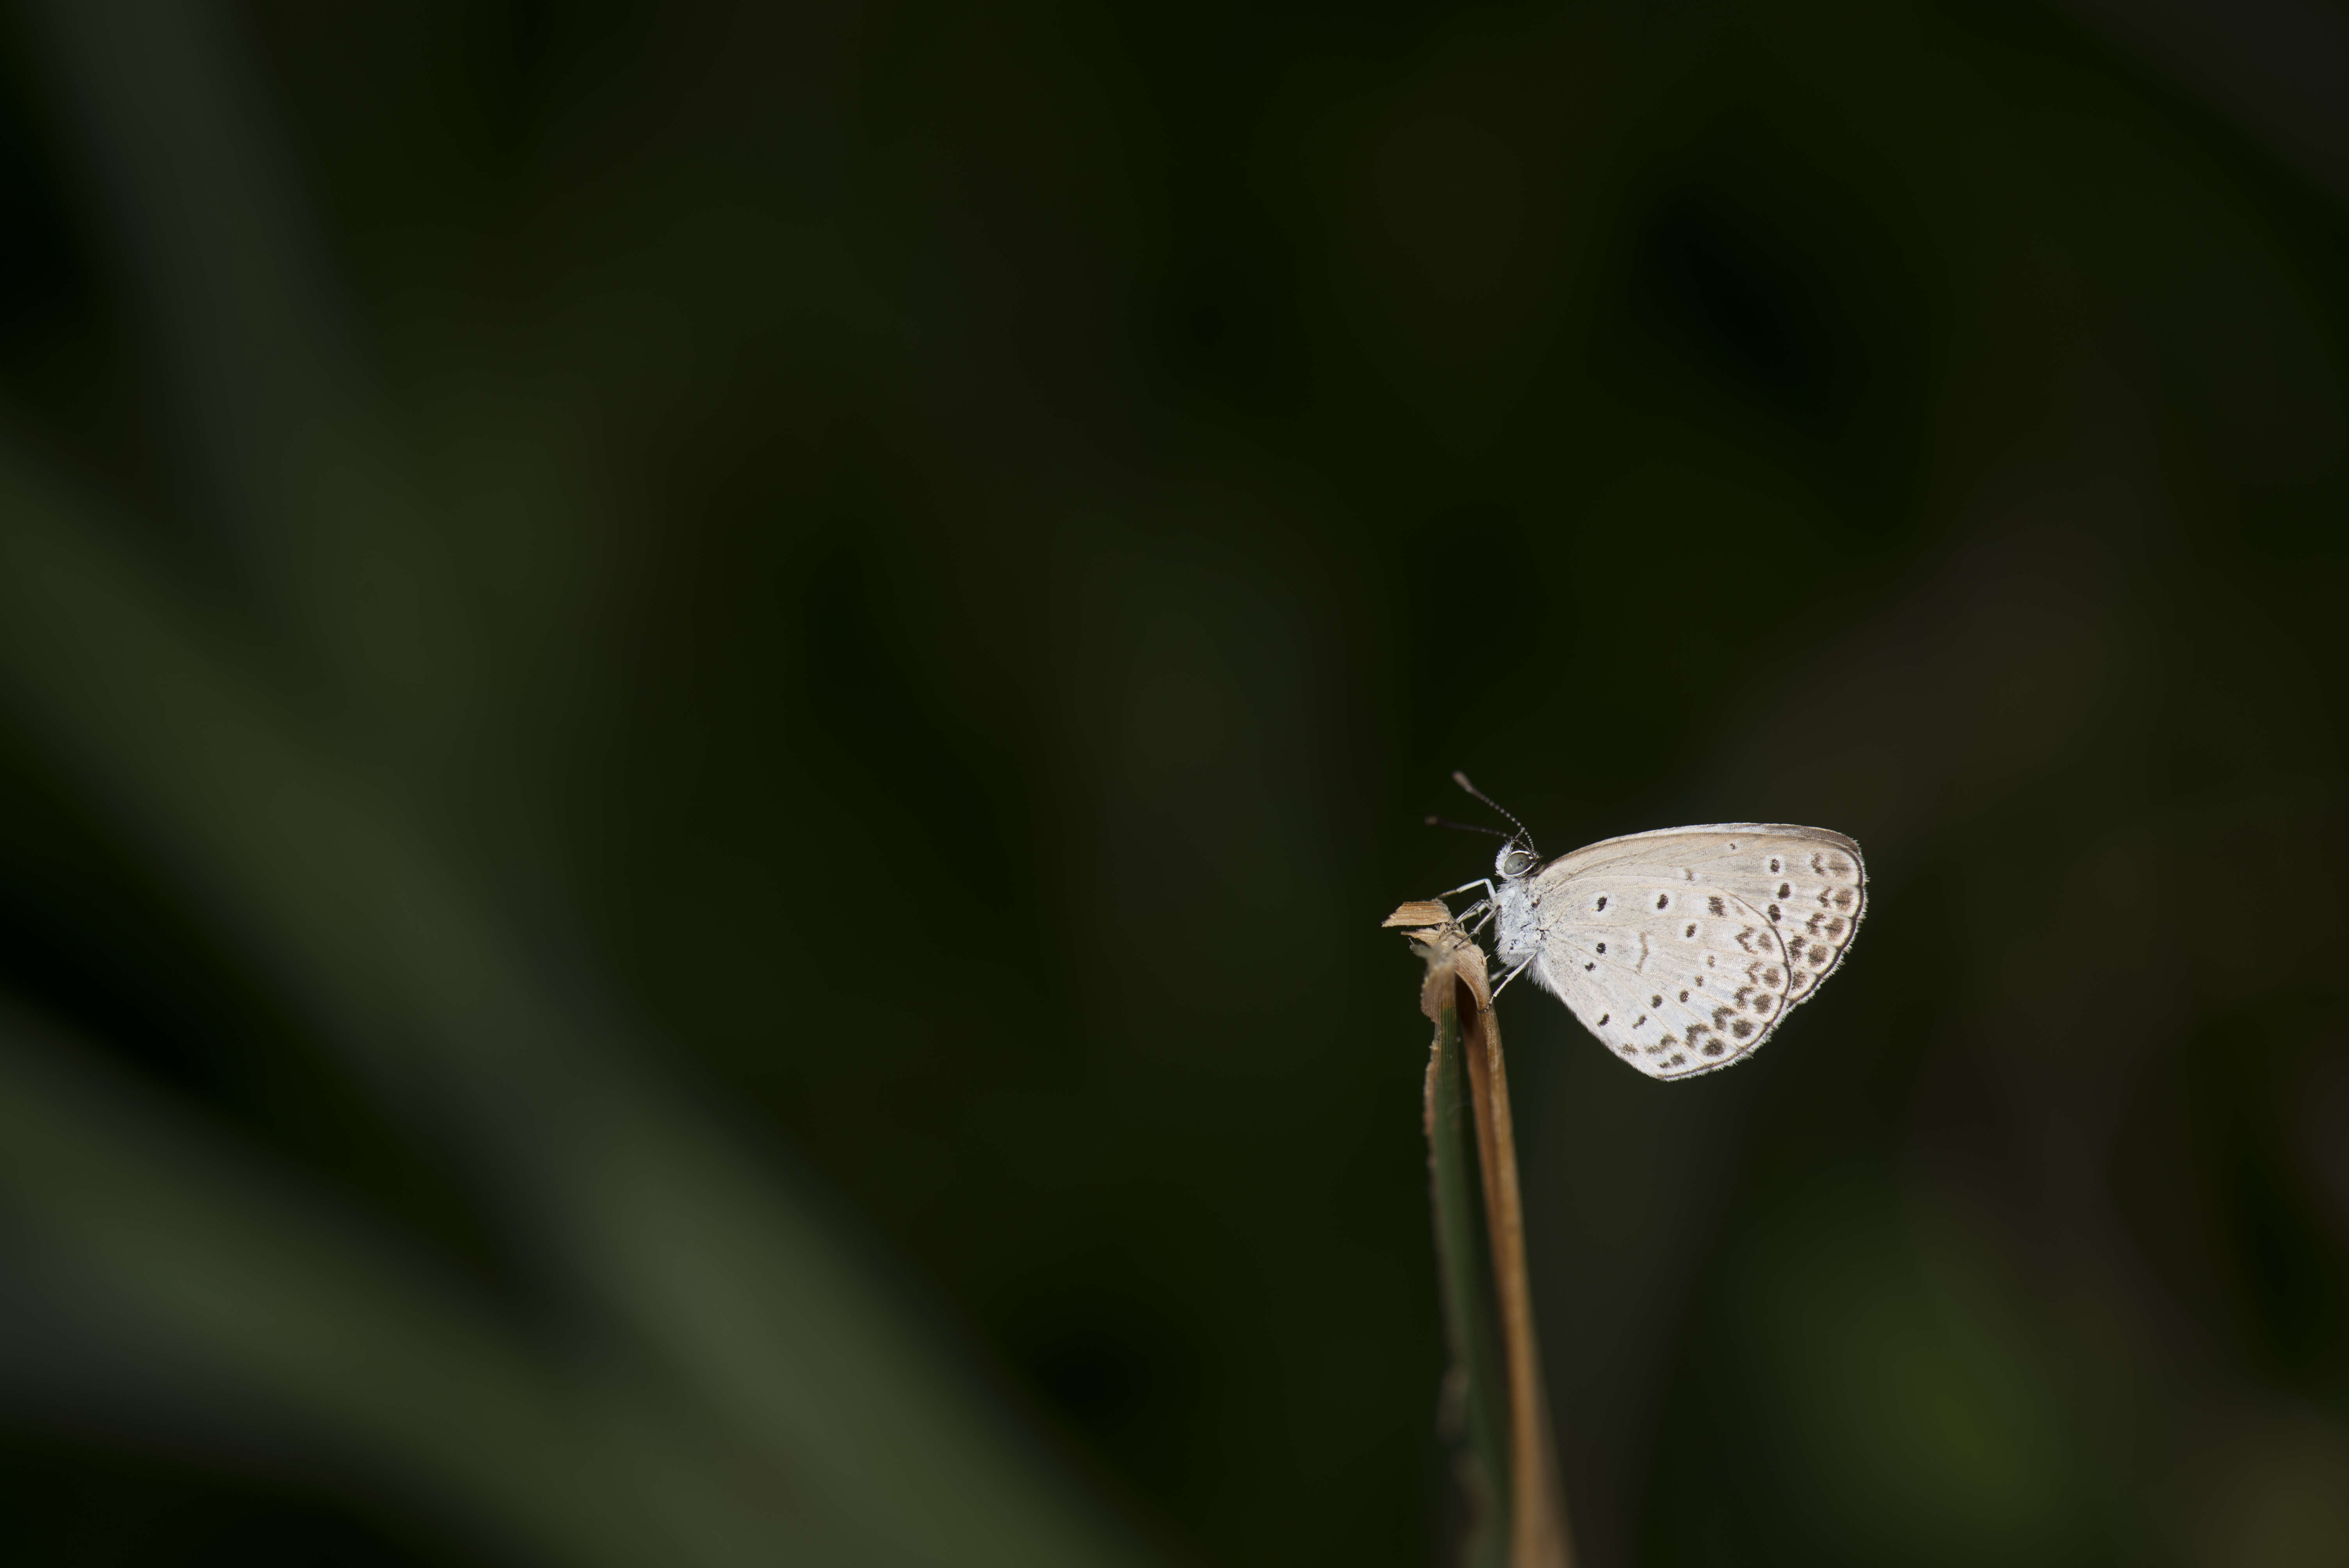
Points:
(1483, 906)
(1522, 965)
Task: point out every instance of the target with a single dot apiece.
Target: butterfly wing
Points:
(1682, 948)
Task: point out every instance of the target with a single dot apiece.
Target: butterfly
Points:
(1683, 949)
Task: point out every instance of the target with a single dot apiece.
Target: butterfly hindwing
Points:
(1681, 949)
(1674, 983)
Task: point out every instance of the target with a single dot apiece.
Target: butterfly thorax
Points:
(1517, 925)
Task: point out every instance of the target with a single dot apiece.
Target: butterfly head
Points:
(1516, 857)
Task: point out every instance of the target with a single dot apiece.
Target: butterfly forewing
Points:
(1681, 949)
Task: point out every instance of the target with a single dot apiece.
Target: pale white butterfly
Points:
(1681, 949)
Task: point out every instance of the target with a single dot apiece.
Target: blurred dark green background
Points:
(705, 710)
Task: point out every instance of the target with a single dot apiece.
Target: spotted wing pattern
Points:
(1683, 949)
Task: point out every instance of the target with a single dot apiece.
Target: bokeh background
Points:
(705, 710)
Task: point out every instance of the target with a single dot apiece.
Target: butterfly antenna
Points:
(1462, 779)
(1466, 827)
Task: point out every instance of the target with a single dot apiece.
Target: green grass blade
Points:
(309, 864)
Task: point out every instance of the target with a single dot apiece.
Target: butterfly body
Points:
(1684, 948)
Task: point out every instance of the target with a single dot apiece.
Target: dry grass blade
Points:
(1509, 1472)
